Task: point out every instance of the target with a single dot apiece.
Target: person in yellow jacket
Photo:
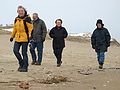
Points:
(22, 32)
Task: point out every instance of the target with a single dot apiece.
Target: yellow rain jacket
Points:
(19, 32)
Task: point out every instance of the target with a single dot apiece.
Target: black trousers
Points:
(58, 54)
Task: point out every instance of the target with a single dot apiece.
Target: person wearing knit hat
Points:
(100, 41)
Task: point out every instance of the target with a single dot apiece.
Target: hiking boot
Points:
(23, 70)
(58, 65)
(100, 66)
(20, 67)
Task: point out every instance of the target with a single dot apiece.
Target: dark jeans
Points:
(22, 59)
(39, 46)
(58, 54)
(101, 57)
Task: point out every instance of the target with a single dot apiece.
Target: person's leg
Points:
(25, 55)
(58, 54)
(32, 51)
(98, 56)
(40, 52)
(16, 49)
(102, 58)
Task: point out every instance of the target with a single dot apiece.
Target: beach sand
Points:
(80, 68)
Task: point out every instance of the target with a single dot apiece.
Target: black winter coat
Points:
(58, 35)
(100, 40)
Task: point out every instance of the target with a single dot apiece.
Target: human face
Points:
(21, 12)
(99, 25)
(35, 17)
(58, 23)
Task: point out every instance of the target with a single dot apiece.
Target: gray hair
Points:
(36, 14)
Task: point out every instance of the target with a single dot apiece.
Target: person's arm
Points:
(13, 32)
(29, 25)
(93, 40)
(108, 38)
(44, 29)
(51, 34)
(65, 33)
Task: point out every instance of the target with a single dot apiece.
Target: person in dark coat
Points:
(100, 41)
(37, 39)
(58, 33)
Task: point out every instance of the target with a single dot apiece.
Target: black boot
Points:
(100, 66)
(20, 67)
(59, 64)
(23, 70)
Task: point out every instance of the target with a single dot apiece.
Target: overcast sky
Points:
(78, 15)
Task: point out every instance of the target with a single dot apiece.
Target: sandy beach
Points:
(80, 68)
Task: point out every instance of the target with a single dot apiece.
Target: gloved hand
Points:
(30, 45)
(11, 39)
(31, 41)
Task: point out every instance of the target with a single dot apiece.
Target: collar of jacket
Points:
(100, 28)
(58, 27)
(36, 20)
(22, 17)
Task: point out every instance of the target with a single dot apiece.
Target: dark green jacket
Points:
(100, 40)
(39, 31)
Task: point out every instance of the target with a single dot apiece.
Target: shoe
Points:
(37, 63)
(100, 66)
(23, 70)
(33, 63)
(58, 65)
(20, 67)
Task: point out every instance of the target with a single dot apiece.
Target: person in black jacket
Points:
(58, 33)
(100, 41)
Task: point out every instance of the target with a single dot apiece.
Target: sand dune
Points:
(79, 69)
